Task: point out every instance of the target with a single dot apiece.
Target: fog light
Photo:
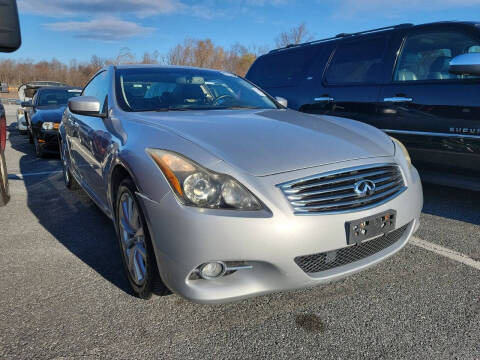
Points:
(212, 270)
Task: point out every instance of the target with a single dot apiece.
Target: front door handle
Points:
(324, 99)
(397, 99)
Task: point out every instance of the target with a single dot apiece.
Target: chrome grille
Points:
(334, 192)
(332, 259)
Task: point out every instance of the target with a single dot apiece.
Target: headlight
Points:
(402, 147)
(196, 186)
(20, 112)
(48, 125)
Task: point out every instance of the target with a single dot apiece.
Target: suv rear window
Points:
(282, 68)
(427, 56)
(357, 62)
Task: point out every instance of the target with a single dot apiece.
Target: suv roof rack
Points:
(343, 35)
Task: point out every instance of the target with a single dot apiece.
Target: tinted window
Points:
(163, 89)
(282, 68)
(357, 62)
(427, 56)
(55, 96)
(98, 87)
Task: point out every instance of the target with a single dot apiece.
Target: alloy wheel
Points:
(132, 238)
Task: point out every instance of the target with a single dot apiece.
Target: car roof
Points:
(157, 66)
(342, 36)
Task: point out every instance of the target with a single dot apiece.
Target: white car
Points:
(21, 121)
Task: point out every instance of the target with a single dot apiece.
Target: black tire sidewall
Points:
(70, 183)
(38, 148)
(4, 187)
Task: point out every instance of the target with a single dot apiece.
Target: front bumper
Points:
(186, 237)
(48, 140)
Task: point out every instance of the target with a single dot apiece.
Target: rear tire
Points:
(136, 248)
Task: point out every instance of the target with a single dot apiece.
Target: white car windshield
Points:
(168, 89)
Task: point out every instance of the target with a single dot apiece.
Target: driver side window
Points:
(98, 87)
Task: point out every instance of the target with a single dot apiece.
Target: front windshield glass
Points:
(56, 96)
(168, 89)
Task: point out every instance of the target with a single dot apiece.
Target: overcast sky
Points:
(77, 29)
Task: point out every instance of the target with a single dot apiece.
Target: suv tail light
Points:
(3, 132)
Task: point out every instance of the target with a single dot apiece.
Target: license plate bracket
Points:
(369, 227)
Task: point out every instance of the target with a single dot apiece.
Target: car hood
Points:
(51, 113)
(267, 142)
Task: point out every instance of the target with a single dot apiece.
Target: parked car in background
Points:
(10, 40)
(45, 112)
(420, 84)
(25, 94)
(218, 192)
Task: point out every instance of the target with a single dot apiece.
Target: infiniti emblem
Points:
(364, 187)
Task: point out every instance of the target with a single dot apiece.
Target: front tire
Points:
(4, 189)
(135, 244)
(68, 178)
(38, 148)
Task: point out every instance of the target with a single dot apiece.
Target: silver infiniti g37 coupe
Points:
(218, 192)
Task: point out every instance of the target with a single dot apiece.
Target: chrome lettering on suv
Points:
(467, 131)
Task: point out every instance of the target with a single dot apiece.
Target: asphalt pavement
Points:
(63, 292)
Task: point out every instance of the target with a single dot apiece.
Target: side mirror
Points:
(85, 105)
(282, 101)
(10, 38)
(465, 64)
(26, 104)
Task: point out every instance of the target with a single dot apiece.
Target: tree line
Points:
(191, 52)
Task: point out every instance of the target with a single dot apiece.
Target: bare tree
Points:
(296, 35)
(150, 58)
(125, 56)
(204, 53)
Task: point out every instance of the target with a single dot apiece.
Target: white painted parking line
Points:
(20, 176)
(443, 251)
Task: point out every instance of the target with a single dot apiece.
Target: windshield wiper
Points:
(171, 109)
(237, 107)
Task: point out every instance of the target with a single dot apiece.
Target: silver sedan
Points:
(218, 192)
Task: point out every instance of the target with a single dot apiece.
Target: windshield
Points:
(56, 97)
(167, 89)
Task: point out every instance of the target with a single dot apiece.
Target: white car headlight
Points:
(47, 125)
(399, 145)
(196, 186)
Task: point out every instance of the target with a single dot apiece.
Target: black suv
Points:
(420, 84)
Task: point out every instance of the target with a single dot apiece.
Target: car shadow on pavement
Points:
(452, 203)
(71, 217)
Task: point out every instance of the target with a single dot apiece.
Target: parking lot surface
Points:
(64, 295)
